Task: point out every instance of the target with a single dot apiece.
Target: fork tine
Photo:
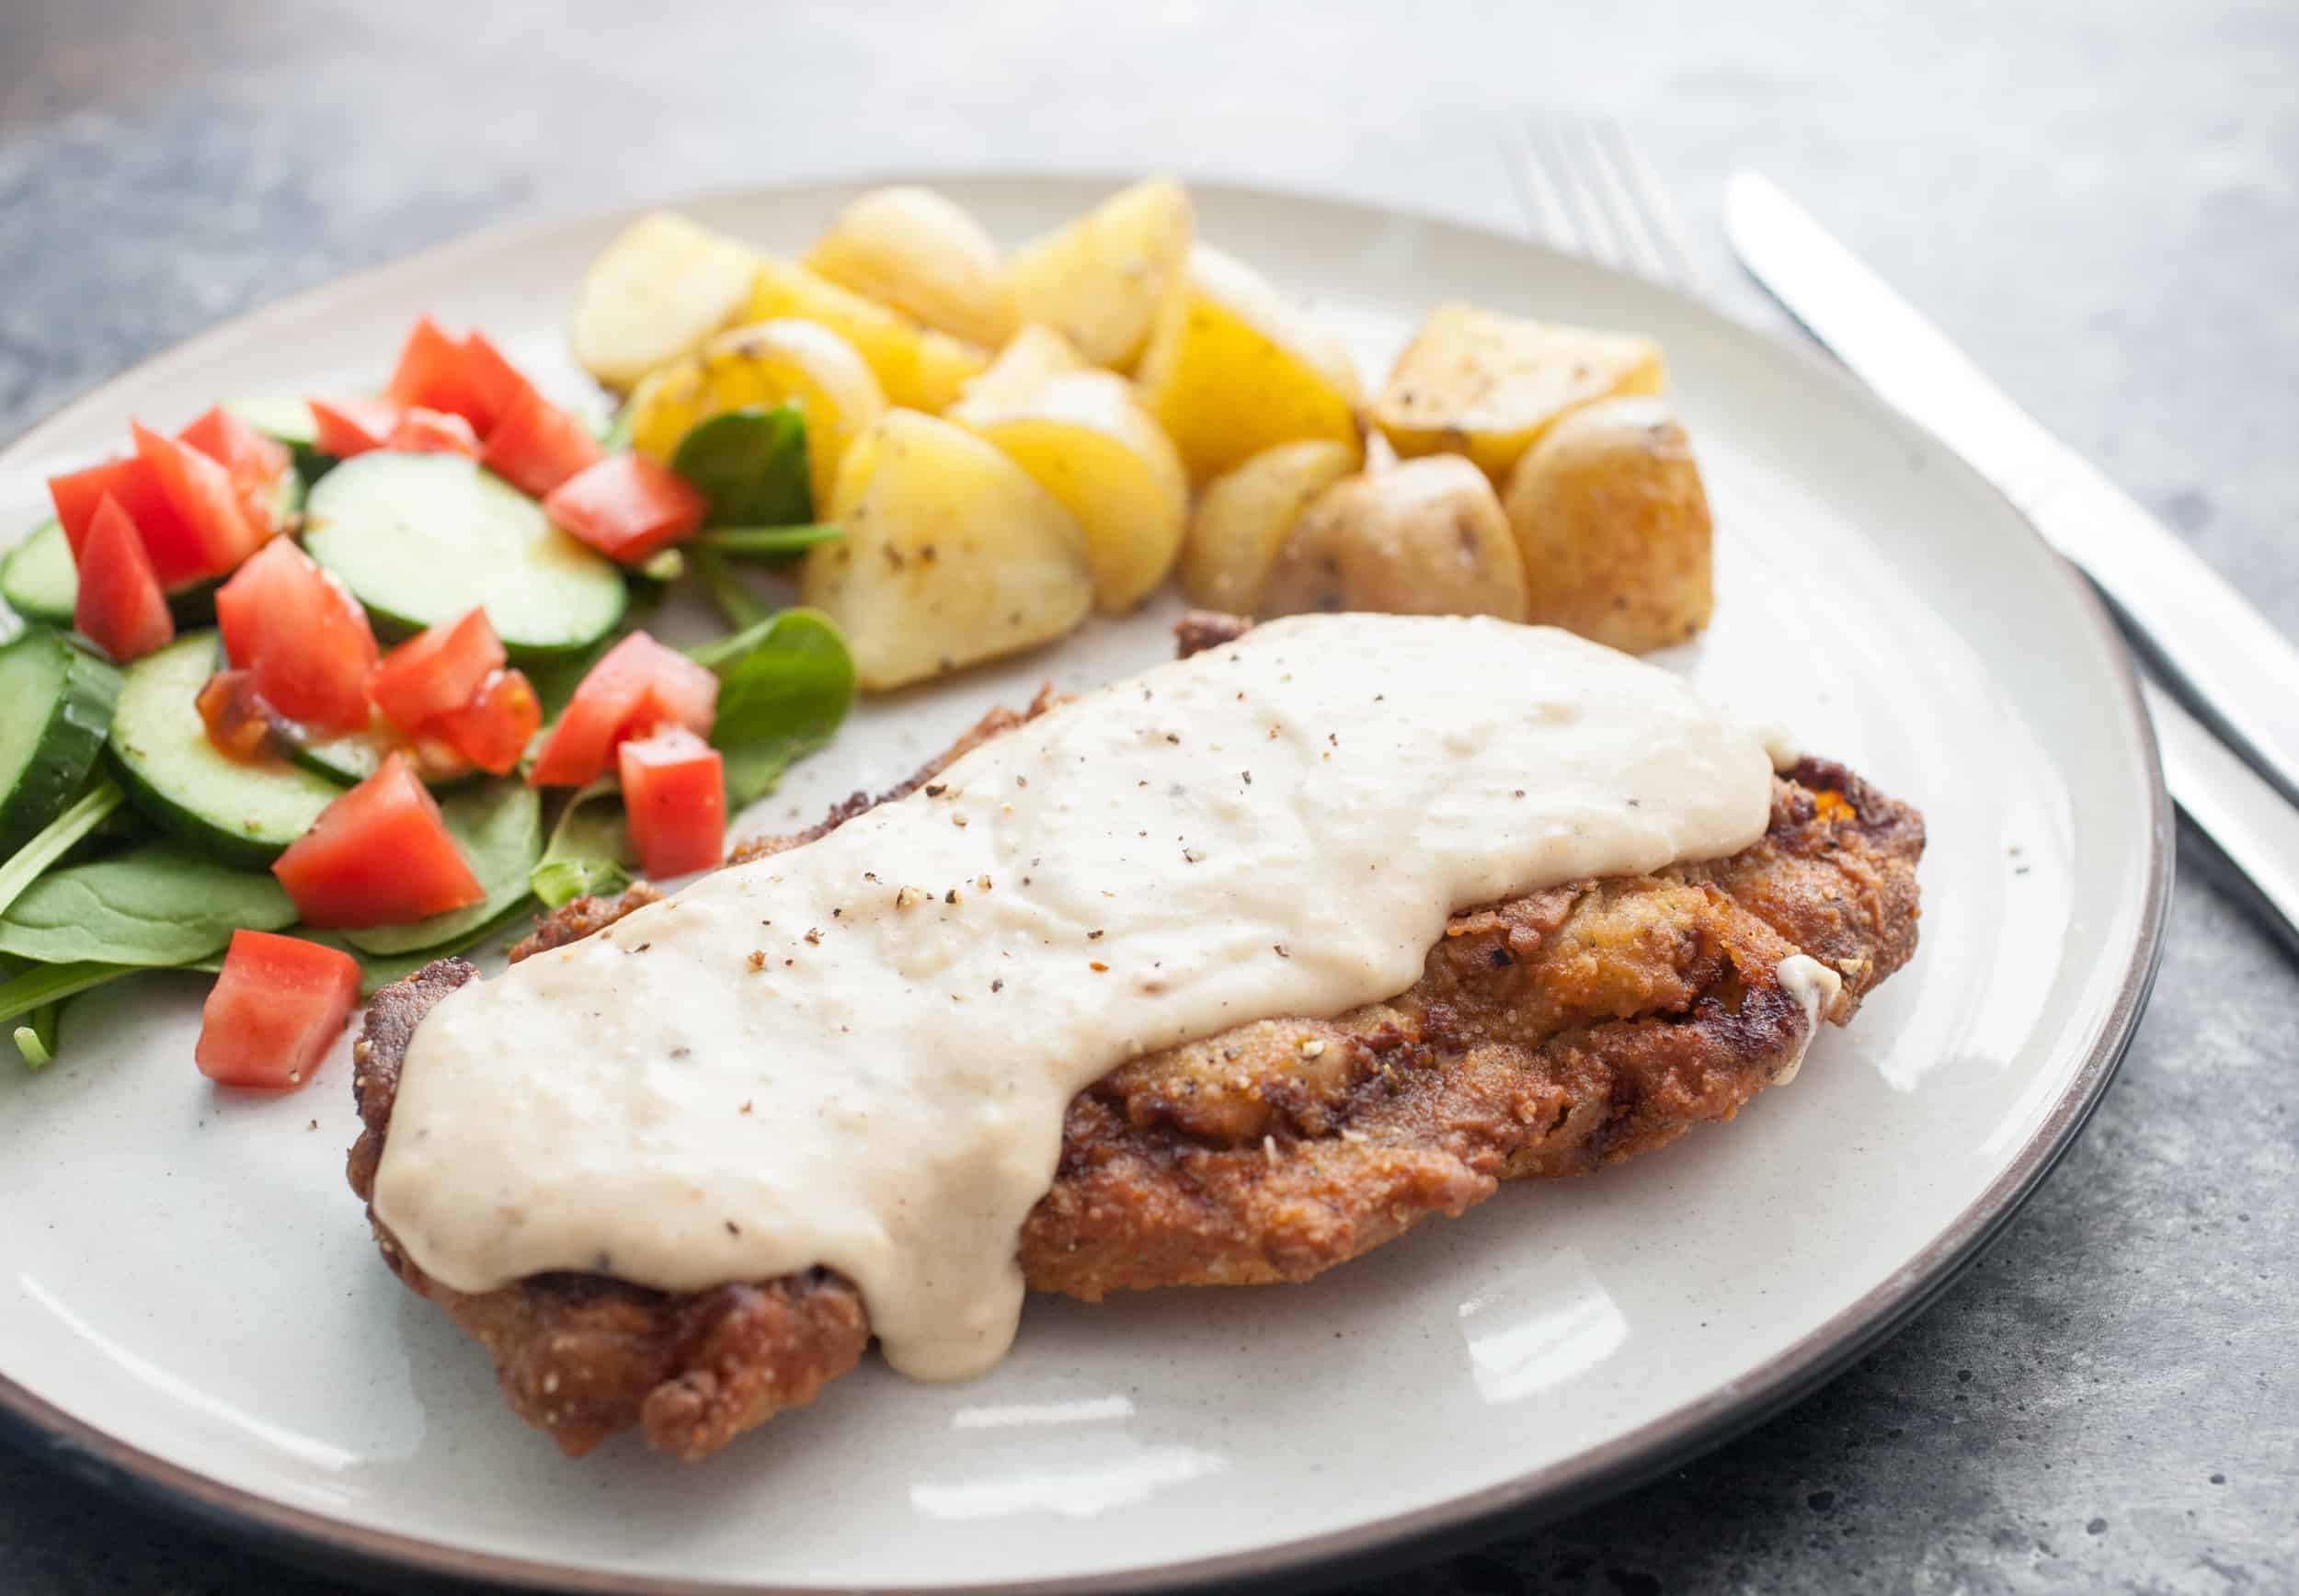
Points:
(1536, 193)
(1657, 209)
(1601, 241)
(1641, 252)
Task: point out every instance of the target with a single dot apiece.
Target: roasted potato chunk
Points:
(1612, 521)
(1243, 515)
(1100, 281)
(1030, 359)
(775, 362)
(916, 366)
(1085, 439)
(654, 293)
(1486, 385)
(1234, 368)
(914, 250)
(952, 554)
(1426, 537)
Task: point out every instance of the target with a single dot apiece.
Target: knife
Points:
(2227, 659)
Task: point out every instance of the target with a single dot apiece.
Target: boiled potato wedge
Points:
(1612, 521)
(1486, 385)
(1243, 515)
(914, 250)
(776, 362)
(1030, 356)
(1086, 441)
(917, 367)
(1100, 279)
(952, 554)
(1426, 537)
(1232, 368)
(654, 293)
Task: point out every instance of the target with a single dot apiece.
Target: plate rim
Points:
(315, 1539)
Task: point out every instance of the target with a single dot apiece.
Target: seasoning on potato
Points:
(1476, 382)
(1612, 521)
(1426, 537)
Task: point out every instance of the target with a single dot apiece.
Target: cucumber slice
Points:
(422, 539)
(37, 578)
(40, 582)
(275, 415)
(241, 814)
(352, 757)
(59, 704)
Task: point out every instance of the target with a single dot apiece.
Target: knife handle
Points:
(2242, 814)
(2219, 653)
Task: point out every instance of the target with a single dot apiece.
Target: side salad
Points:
(314, 691)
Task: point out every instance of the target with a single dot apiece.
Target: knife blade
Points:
(2240, 673)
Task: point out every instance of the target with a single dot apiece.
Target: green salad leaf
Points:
(773, 541)
(785, 685)
(590, 852)
(35, 1037)
(751, 464)
(155, 906)
(24, 867)
(42, 985)
(498, 828)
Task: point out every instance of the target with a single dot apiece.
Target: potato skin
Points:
(1612, 521)
(915, 250)
(1099, 280)
(1426, 537)
(1245, 515)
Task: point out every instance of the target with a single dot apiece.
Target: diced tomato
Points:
(435, 671)
(303, 635)
(536, 446)
(119, 608)
(494, 729)
(432, 373)
(347, 426)
(627, 507)
(380, 855)
(175, 556)
(637, 686)
(493, 381)
(422, 431)
(674, 799)
(203, 494)
(275, 1011)
(237, 718)
(254, 461)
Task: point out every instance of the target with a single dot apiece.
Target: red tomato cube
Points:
(433, 372)
(380, 855)
(203, 496)
(350, 426)
(275, 1011)
(627, 508)
(435, 671)
(422, 431)
(493, 730)
(638, 685)
(674, 800)
(175, 556)
(304, 637)
(119, 608)
(237, 718)
(494, 381)
(536, 446)
(253, 461)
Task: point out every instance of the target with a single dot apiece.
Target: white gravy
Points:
(857, 1053)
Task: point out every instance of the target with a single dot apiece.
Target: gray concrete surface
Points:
(2097, 199)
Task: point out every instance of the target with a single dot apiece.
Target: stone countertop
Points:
(2098, 201)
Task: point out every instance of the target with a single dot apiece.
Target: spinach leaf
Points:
(154, 906)
(771, 540)
(23, 867)
(35, 1037)
(751, 464)
(783, 686)
(589, 852)
(42, 985)
(499, 826)
(734, 601)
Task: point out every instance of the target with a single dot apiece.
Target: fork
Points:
(1588, 190)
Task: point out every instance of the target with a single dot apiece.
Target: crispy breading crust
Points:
(1547, 1037)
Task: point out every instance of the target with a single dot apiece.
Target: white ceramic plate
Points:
(190, 1299)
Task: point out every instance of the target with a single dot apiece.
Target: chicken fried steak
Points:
(1547, 1035)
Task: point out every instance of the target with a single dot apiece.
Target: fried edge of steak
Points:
(1547, 1037)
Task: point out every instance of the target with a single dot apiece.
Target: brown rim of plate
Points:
(315, 1539)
